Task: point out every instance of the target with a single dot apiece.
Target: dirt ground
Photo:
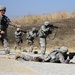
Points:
(10, 66)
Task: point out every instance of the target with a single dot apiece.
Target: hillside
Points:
(65, 34)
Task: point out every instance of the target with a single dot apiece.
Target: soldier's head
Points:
(2, 9)
(46, 23)
(18, 29)
(63, 49)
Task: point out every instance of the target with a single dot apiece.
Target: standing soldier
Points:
(4, 22)
(18, 36)
(30, 38)
(44, 31)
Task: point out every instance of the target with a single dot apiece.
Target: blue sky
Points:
(17, 8)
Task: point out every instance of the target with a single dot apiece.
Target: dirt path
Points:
(13, 67)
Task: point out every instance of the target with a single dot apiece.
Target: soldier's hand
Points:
(2, 32)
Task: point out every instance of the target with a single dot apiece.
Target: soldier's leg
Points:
(30, 46)
(18, 44)
(6, 45)
(27, 57)
(15, 47)
(43, 45)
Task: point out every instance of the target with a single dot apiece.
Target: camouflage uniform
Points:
(4, 22)
(58, 55)
(18, 36)
(27, 57)
(30, 38)
(43, 34)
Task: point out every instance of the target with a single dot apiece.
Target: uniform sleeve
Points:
(10, 23)
(61, 58)
(44, 28)
(31, 33)
(23, 31)
(0, 21)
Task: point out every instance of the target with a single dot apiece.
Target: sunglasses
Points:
(3, 10)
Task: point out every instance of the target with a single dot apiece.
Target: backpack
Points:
(53, 53)
(29, 36)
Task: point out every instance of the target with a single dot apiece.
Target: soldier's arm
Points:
(44, 28)
(1, 31)
(23, 31)
(32, 34)
(11, 23)
(14, 25)
(0, 22)
(36, 33)
(61, 58)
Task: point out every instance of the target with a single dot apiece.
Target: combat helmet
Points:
(18, 29)
(46, 23)
(63, 49)
(2, 7)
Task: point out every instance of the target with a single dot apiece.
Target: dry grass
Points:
(37, 19)
(65, 34)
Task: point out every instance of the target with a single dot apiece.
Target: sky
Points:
(19, 8)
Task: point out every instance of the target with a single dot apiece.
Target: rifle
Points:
(71, 55)
(51, 28)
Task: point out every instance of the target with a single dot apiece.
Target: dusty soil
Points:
(10, 66)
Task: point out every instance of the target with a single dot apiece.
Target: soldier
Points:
(4, 22)
(30, 38)
(58, 55)
(27, 57)
(18, 36)
(44, 31)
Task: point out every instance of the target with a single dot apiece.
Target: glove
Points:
(2, 32)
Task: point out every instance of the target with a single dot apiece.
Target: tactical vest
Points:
(56, 51)
(42, 33)
(29, 36)
(4, 22)
(18, 34)
(53, 54)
